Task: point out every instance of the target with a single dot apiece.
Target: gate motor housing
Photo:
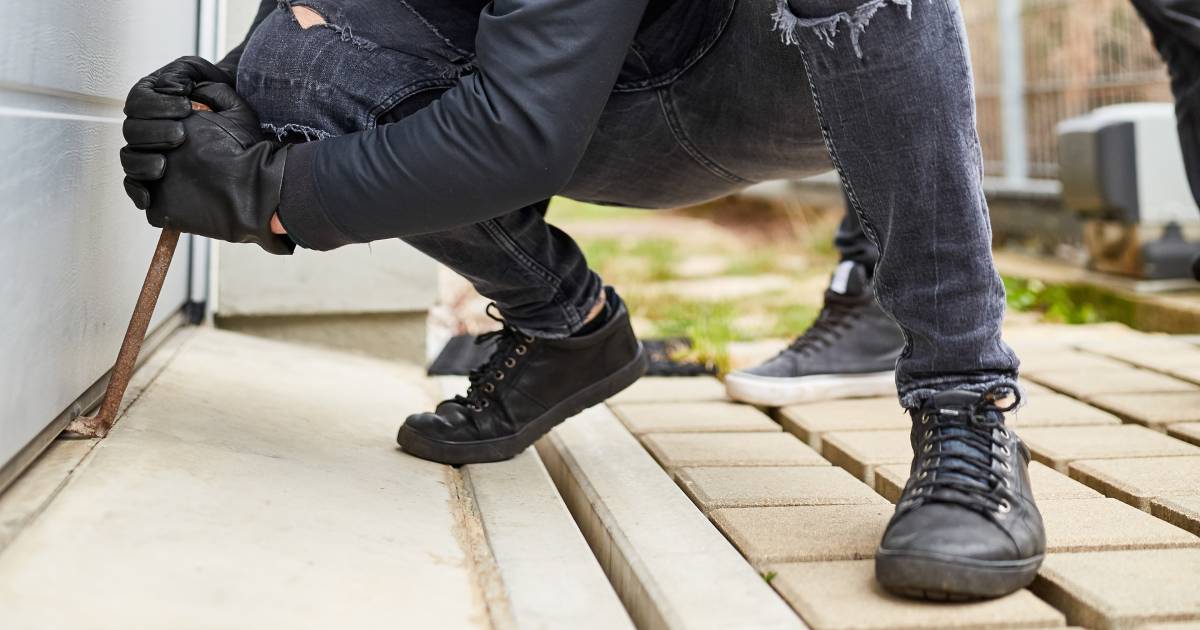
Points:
(1121, 167)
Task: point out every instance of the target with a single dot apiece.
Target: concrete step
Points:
(253, 484)
(670, 566)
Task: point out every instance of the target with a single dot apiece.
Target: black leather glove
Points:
(165, 93)
(222, 182)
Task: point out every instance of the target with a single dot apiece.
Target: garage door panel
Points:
(73, 249)
(94, 49)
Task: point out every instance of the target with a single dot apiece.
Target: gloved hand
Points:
(222, 182)
(164, 94)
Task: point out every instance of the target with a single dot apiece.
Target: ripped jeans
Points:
(772, 89)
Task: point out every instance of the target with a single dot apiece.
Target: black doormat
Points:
(463, 354)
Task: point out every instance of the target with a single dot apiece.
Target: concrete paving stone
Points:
(692, 417)
(1182, 625)
(1032, 363)
(1190, 373)
(839, 595)
(678, 450)
(1049, 409)
(1048, 484)
(810, 420)
(1058, 446)
(1137, 481)
(1186, 431)
(1179, 511)
(1107, 525)
(859, 452)
(1122, 589)
(672, 389)
(1153, 410)
(1085, 384)
(671, 567)
(767, 535)
(1153, 351)
(721, 487)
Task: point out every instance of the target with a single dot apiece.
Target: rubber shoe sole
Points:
(509, 446)
(770, 391)
(948, 578)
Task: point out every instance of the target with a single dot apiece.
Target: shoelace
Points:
(834, 318)
(955, 464)
(510, 344)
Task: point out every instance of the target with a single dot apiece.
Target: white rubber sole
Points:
(778, 392)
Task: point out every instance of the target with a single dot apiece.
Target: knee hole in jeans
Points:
(307, 17)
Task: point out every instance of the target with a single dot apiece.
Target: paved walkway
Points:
(1112, 419)
(252, 484)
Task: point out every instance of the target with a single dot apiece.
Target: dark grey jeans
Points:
(778, 88)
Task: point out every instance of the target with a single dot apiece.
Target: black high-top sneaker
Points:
(528, 386)
(850, 351)
(966, 526)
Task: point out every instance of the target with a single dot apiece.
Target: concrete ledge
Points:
(550, 575)
(669, 565)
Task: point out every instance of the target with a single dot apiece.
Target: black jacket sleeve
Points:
(230, 62)
(506, 136)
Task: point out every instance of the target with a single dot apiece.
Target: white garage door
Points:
(73, 249)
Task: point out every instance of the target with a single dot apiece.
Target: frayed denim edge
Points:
(788, 23)
(915, 397)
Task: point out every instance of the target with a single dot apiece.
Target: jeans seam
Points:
(855, 203)
(505, 240)
(670, 76)
(681, 138)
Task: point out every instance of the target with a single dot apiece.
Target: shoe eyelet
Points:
(489, 388)
(486, 404)
(1007, 484)
(924, 420)
(1004, 506)
(928, 448)
(924, 474)
(528, 339)
(1004, 434)
(1006, 467)
(510, 362)
(521, 350)
(499, 375)
(1004, 451)
(476, 408)
(928, 434)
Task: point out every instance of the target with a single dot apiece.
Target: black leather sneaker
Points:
(850, 351)
(966, 526)
(528, 386)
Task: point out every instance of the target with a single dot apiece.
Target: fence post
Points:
(1012, 89)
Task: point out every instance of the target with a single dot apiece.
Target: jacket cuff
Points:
(300, 208)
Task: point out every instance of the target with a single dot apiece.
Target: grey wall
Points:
(73, 249)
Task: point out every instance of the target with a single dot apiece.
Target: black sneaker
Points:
(849, 352)
(528, 386)
(966, 526)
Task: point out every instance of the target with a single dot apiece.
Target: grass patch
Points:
(1067, 303)
(563, 209)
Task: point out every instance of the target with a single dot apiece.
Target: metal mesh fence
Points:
(1077, 55)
